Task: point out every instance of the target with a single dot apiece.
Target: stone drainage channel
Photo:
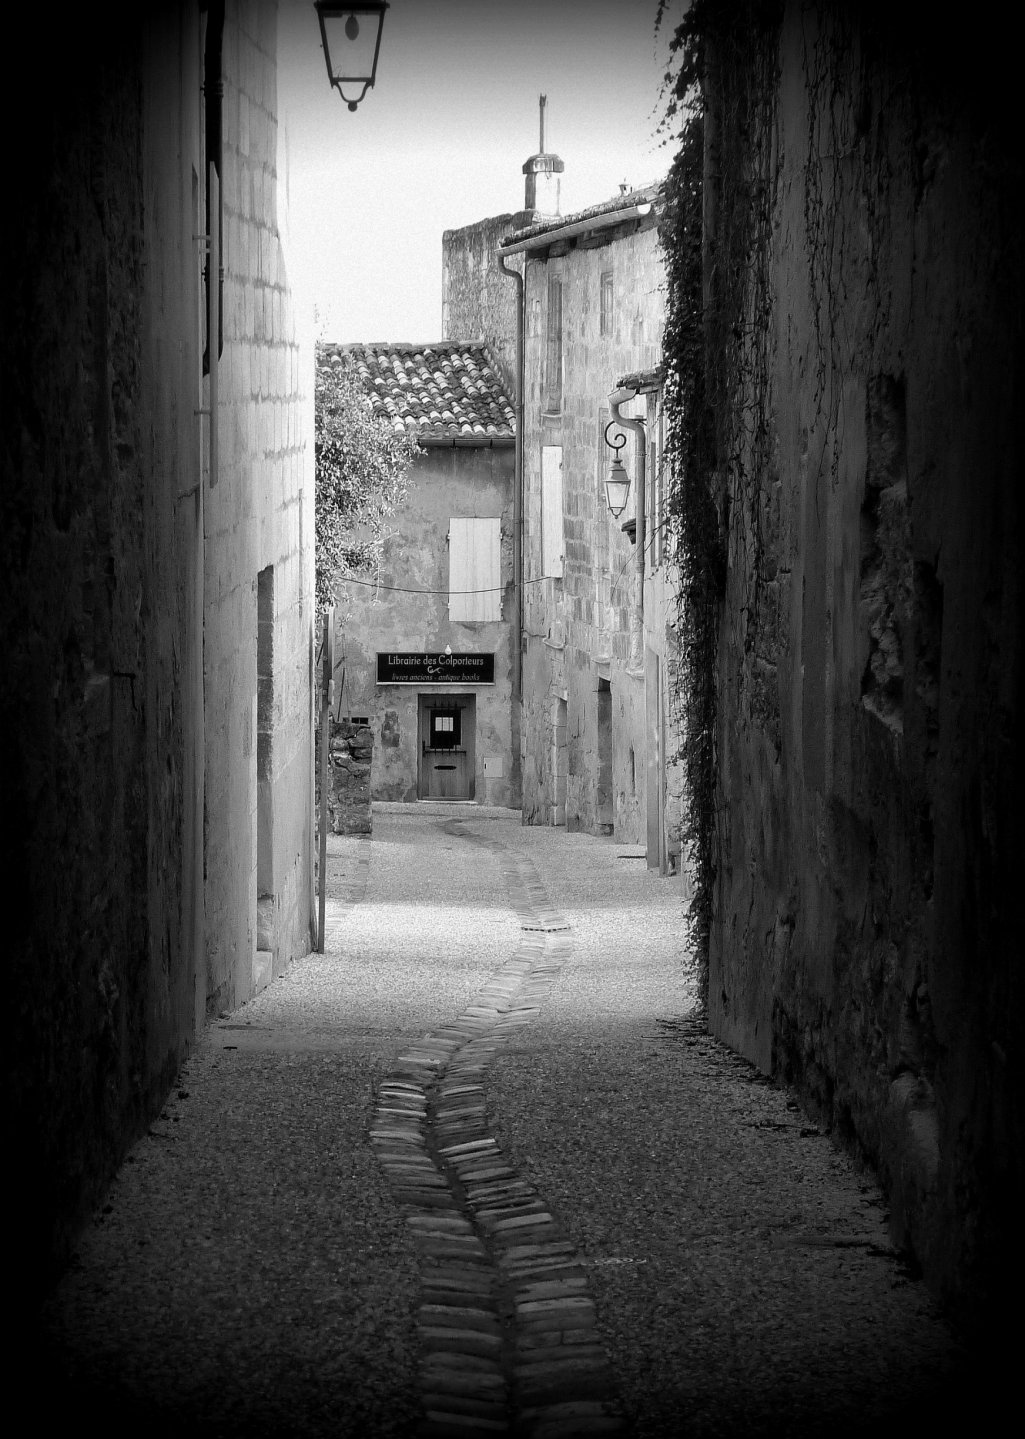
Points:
(507, 1327)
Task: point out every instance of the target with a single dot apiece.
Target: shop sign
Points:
(403, 667)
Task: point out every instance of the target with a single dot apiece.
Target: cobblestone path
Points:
(506, 1320)
(480, 1169)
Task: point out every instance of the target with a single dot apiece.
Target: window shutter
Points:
(553, 350)
(474, 569)
(552, 540)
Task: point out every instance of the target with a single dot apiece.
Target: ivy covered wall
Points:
(847, 438)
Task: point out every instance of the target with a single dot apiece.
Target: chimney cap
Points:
(541, 188)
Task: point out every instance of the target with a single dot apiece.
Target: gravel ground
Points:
(251, 1272)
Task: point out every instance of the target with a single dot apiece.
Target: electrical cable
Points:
(491, 590)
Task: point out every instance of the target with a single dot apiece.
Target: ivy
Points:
(362, 475)
(722, 60)
(691, 515)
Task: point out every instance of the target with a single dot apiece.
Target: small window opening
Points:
(605, 313)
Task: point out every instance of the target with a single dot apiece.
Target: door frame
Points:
(428, 700)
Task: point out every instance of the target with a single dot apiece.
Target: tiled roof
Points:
(445, 394)
(645, 195)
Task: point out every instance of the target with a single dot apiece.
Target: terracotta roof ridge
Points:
(446, 391)
(642, 195)
(410, 347)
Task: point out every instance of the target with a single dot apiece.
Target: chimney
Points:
(541, 187)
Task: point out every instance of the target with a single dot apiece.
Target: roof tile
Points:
(433, 391)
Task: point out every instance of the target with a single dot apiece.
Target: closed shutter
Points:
(553, 349)
(552, 538)
(474, 569)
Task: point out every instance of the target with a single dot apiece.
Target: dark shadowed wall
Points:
(864, 235)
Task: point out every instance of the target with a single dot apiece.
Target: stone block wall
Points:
(351, 757)
(479, 301)
(258, 519)
(866, 943)
(111, 811)
(578, 628)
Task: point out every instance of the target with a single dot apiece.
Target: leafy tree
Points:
(362, 474)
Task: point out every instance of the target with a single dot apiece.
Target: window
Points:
(605, 315)
(552, 538)
(445, 729)
(474, 569)
(553, 352)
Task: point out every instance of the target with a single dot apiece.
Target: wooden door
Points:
(445, 768)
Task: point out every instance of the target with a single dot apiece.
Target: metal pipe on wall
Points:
(518, 480)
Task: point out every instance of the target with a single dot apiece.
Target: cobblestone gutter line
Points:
(506, 1321)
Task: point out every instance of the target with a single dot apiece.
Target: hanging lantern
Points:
(351, 37)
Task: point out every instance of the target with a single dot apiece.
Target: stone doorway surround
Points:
(446, 746)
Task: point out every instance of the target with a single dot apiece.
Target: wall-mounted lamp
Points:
(351, 37)
(617, 486)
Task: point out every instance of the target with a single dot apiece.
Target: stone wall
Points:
(578, 627)
(257, 533)
(479, 299)
(350, 760)
(410, 612)
(106, 501)
(866, 943)
(100, 619)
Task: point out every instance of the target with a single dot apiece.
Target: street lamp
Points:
(617, 486)
(353, 33)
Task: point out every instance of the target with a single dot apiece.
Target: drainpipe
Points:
(617, 398)
(518, 481)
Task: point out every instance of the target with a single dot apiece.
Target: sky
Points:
(441, 139)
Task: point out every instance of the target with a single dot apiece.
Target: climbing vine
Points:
(361, 478)
(714, 234)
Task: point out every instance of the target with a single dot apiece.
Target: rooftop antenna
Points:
(544, 102)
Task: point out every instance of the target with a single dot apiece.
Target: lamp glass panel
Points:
(352, 59)
(617, 488)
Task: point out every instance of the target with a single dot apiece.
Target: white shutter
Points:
(552, 540)
(474, 569)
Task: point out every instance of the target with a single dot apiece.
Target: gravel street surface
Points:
(479, 1169)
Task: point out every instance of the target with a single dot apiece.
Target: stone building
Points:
(866, 942)
(426, 651)
(158, 563)
(598, 593)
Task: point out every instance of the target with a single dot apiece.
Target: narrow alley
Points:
(479, 1168)
(663, 549)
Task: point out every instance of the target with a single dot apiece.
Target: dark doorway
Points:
(605, 799)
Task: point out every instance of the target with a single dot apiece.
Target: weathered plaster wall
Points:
(867, 943)
(479, 300)
(578, 628)
(256, 519)
(413, 615)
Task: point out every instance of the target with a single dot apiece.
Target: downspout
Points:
(518, 482)
(635, 664)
